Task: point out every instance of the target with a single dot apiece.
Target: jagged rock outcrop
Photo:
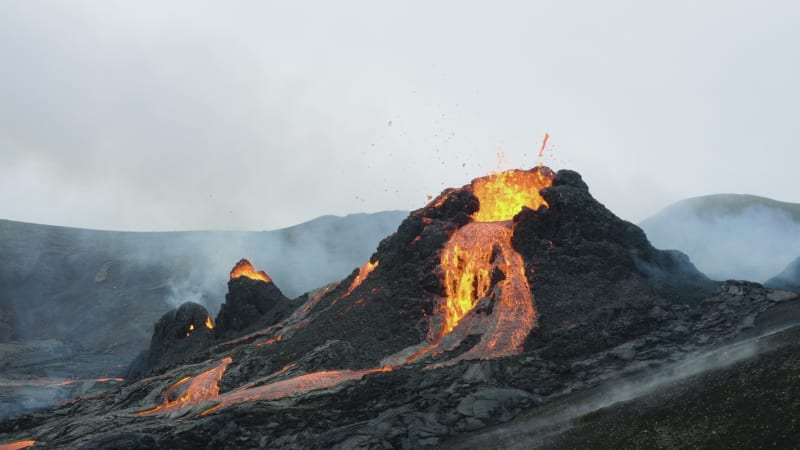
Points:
(251, 303)
(183, 331)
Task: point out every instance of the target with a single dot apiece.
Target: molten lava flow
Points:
(200, 388)
(291, 386)
(17, 445)
(481, 252)
(363, 272)
(278, 338)
(467, 263)
(477, 249)
(502, 195)
(244, 269)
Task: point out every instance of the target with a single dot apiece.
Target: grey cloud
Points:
(199, 115)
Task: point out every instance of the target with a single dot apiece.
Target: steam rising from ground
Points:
(95, 295)
(730, 237)
(556, 418)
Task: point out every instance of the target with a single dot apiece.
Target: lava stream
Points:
(200, 388)
(480, 264)
(17, 445)
(363, 272)
(291, 386)
(205, 387)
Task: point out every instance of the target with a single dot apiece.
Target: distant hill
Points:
(730, 235)
(103, 290)
(788, 280)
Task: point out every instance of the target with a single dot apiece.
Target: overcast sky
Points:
(258, 115)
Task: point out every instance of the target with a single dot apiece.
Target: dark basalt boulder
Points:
(251, 304)
(788, 280)
(179, 334)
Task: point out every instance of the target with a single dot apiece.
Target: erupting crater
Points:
(480, 265)
(245, 269)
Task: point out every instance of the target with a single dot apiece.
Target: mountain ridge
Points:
(730, 236)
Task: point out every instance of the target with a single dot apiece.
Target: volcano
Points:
(495, 298)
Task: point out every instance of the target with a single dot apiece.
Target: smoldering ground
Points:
(541, 427)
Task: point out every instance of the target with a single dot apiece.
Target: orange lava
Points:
(467, 263)
(481, 250)
(205, 387)
(513, 315)
(199, 389)
(278, 338)
(544, 144)
(244, 269)
(363, 272)
(477, 249)
(17, 445)
(502, 195)
(291, 386)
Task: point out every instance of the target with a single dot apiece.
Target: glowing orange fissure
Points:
(208, 323)
(17, 445)
(200, 388)
(244, 269)
(477, 249)
(363, 272)
(204, 387)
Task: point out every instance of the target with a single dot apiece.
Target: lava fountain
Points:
(245, 269)
(479, 262)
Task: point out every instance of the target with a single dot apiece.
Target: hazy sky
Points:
(256, 115)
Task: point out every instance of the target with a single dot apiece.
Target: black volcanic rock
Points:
(251, 303)
(788, 280)
(577, 235)
(567, 177)
(589, 267)
(179, 333)
(336, 372)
